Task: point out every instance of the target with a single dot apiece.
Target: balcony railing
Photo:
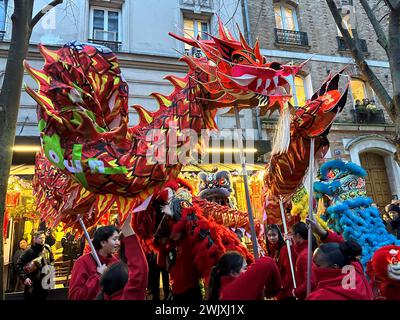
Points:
(2, 34)
(115, 46)
(343, 47)
(290, 37)
(368, 117)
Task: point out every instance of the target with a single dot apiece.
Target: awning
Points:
(20, 170)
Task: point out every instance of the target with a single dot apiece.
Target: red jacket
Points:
(331, 285)
(184, 274)
(284, 269)
(332, 237)
(261, 279)
(84, 284)
(301, 271)
(135, 288)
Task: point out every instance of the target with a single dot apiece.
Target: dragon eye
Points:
(184, 204)
(222, 181)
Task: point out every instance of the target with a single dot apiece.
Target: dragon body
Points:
(91, 159)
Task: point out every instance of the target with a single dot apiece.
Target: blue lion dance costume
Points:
(349, 210)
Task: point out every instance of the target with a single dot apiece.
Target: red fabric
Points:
(84, 284)
(333, 237)
(283, 263)
(301, 271)
(5, 224)
(135, 288)
(184, 274)
(377, 270)
(330, 286)
(261, 279)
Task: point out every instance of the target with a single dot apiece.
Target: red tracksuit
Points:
(261, 279)
(283, 263)
(301, 271)
(84, 284)
(330, 281)
(333, 286)
(135, 288)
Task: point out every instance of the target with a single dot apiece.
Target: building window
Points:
(285, 17)
(105, 24)
(193, 28)
(358, 89)
(3, 17)
(301, 89)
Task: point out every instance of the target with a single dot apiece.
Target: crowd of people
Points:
(127, 272)
(365, 109)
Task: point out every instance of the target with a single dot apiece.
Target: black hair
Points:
(301, 229)
(230, 262)
(113, 280)
(340, 254)
(37, 234)
(103, 234)
(22, 239)
(281, 241)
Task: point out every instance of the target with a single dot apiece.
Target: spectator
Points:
(154, 278)
(371, 106)
(277, 250)
(86, 273)
(126, 280)
(394, 214)
(361, 111)
(300, 240)
(30, 267)
(329, 260)
(230, 280)
(17, 283)
(70, 247)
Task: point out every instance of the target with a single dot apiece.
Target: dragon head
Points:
(386, 263)
(215, 187)
(238, 74)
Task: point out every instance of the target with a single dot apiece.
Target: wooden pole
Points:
(310, 215)
(94, 253)
(287, 242)
(246, 184)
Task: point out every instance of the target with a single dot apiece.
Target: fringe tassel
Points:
(282, 132)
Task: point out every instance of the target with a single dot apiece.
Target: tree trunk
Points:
(9, 104)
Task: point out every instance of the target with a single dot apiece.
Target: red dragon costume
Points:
(91, 159)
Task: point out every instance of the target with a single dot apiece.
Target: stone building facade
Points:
(293, 31)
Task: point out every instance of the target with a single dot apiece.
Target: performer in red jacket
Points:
(277, 249)
(334, 281)
(300, 236)
(230, 280)
(85, 277)
(127, 279)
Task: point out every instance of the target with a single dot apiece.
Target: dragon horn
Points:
(243, 40)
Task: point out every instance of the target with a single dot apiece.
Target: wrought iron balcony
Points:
(290, 37)
(363, 115)
(343, 47)
(115, 46)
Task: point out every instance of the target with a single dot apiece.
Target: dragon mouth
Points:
(394, 271)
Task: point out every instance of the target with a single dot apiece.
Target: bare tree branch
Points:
(394, 5)
(359, 58)
(386, 14)
(382, 40)
(376, 5)
(43, 11)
